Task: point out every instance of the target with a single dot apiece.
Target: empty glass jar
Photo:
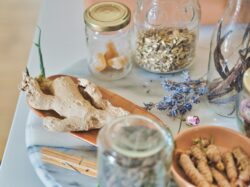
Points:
(244, 105)
(166, 33)
(134, 151)
(108, 39)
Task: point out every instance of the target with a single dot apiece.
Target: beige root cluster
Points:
(78, 107)
(206, 166)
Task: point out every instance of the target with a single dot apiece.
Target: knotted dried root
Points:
(220, 178)
(204, 169)
(79, 106)
(198, 154)
(192, 173)
(201, 142)
(214, 155)
(201, 162)
(230, 167)
(243, 164)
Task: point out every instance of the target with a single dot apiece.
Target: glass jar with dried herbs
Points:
(108, 39)
(243, 104)
(134, 151)
(229, 57)
(166, 33)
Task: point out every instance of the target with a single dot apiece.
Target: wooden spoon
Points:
(115, 99)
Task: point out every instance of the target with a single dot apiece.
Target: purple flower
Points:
(192, 120)
(245, 110)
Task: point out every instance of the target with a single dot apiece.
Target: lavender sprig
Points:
(180, 96)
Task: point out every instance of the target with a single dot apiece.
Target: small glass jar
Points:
(108, 39)
(166, 34)
(134, 151)
(243, 103)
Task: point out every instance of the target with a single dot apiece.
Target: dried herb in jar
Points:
(165, 50)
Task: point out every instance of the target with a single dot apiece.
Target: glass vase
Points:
(229, 57)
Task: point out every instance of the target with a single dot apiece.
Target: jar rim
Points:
(134, 152)
(107, 16)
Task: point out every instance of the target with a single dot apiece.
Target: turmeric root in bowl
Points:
(208, 156)
(76, 105)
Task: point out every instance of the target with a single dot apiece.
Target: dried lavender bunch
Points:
(180, 95)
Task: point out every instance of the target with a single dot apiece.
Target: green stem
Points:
(40, 54)
(180, 124)
(27, 72)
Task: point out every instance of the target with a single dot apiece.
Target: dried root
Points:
(231, 169)
(201, 142)
(204, 161)
(192, 173)
(220, 178)
(76, 111)
(201, 162)
(243, 164)
(214, 155)
(204, 169)
(239, 183)
(198, 154)
(213, 185)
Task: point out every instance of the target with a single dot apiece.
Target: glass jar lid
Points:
(107, 16)
(246, 80)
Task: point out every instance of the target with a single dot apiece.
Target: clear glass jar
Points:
(108, 39)
(134, 151)
(166, 33)
(229, 58)
(243, 104)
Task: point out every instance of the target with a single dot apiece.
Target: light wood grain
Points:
(17, 25)
(76, 163)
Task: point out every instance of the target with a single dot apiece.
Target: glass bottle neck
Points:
(236, 5)
(239, 9)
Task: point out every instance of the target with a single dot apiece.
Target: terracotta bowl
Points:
(224, 138)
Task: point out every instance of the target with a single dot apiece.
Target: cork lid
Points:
(246, 80)
(107, 16)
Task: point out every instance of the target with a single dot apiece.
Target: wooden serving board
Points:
(115, 99)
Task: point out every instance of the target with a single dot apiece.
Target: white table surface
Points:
(62, 29)
(62, 44)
